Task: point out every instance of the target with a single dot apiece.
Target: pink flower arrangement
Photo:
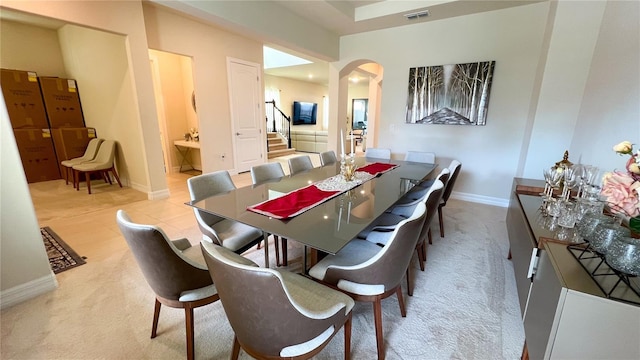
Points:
(622, 189)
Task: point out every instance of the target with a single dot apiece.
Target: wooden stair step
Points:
(282, 152)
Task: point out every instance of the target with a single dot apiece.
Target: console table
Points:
(565, 314)
(184, 148)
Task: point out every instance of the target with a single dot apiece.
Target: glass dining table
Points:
(329, 226)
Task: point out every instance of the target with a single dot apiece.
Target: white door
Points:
(247, 116)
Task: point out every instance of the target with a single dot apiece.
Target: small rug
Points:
(61, 256)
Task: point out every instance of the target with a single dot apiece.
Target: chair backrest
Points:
(264, 326)
(92, 149)
(421, 157)
(328, 157)
(266, 172)
(300, 163)
(378, 153)
(454, 168)
(162, 264)
(388, 266)
(204, 186)
(432, 202)
(106, 153)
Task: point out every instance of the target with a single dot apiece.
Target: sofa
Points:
(309, 140)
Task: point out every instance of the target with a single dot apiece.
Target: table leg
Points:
(185, 156)
(266, 249)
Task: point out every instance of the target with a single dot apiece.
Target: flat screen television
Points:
(304, 113)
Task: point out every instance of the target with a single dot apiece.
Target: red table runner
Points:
(293, 203)
(376, 169)
(301, 200)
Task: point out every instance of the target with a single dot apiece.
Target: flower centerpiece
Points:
(622, 188)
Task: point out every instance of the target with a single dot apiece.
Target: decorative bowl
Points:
(624, 255)
(604, 234)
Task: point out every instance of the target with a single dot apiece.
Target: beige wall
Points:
(294, 90)
(30, 48)
(209, 48)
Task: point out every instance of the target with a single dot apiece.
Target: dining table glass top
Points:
(330, 225)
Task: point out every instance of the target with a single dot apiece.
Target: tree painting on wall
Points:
(456, 94)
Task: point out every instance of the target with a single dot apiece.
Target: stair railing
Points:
(280, 122)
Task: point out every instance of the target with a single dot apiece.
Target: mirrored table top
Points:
(331, 225)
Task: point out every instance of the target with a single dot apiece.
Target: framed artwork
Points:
(455, 94)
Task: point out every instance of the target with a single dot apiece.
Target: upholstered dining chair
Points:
(368, 272)
(454, 168)
(261, 174)
(276, 314)
(328, 157)
(421, 157)
(89, 154)
(230, 234)
(378, 153)
(103, 163)
(175, 271)
(421, 188)
(299, 164)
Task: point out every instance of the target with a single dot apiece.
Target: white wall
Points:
(24, 266)
(490, 153)
(209, 48)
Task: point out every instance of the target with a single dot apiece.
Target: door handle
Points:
(533, 264)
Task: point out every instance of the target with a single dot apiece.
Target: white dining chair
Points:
(378, 153)
(421, 157)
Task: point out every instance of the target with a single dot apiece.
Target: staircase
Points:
(277, 146)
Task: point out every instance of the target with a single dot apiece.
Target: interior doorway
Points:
(177, 117)
(363, 101)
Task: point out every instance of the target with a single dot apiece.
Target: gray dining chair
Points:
(420, 156)
(419, 190)
(265, 173)
(103, 164)
(299, 164)
(276, 314)
(454, 168)
(370, 273)
(328, 157)
(175, 271)
(378, 153)
(230, 234)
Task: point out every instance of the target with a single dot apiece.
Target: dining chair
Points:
(454, 168)
(89, 154)
(378, 153)
(265, 173)
(103, 163)
(276, 314)
(370, 273)
(421, 188)
(230, 234)
(299, 164)
(175, 271)
(421, 157)
(327, 158)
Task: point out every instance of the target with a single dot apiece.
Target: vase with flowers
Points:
(622, 188)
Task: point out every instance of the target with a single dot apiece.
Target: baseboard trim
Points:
(480, 199)
(26, 291)
(158, 195)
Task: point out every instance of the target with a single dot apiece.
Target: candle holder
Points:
(348, 167)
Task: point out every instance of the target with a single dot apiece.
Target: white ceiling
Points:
(342, 17)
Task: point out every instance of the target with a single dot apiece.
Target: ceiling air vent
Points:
(417, 15)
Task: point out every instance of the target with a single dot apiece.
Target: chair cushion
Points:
(386, 221)
(195, 254)
(313, 299)
(92, 166)
(72, 162)
(307, 346)
(235, 235)
(355, 252)
(198, 294)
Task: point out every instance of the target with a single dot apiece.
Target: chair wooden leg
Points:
(76, 180)
(276, 243)
(236, 348)
(377, 316)
(106, 177)
(66, 175)
(409, 287)
(87, 176)
(115, 175)
(403, 310)
(420, 256)
(188, 313)
(430, 239)
(441, 222)
(156, 316)
(347, 339)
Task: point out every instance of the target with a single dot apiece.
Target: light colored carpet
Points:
(464, 307)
